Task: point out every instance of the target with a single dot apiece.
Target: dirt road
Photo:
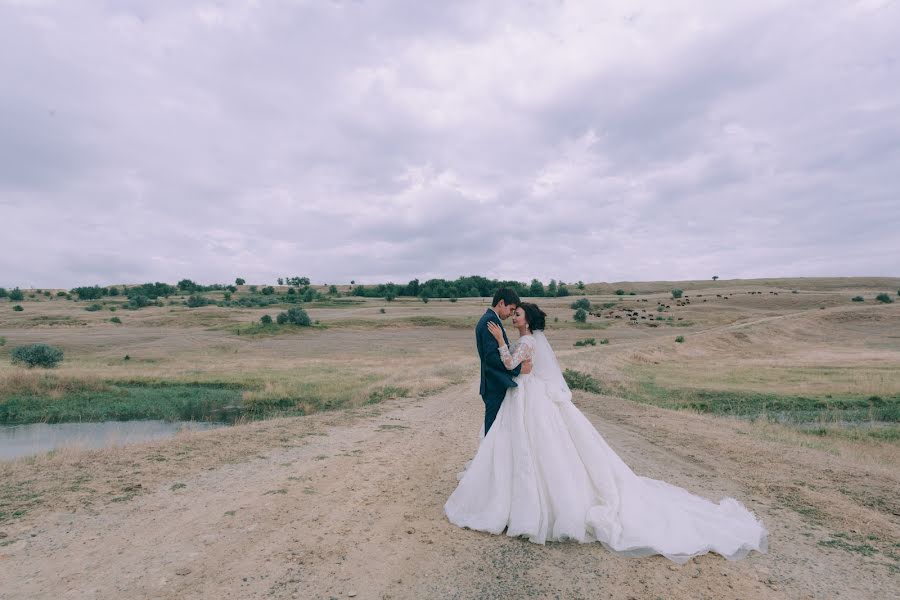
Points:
(354, 509)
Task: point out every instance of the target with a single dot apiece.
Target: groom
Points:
(495, 378)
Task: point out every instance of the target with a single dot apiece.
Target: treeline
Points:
(474, 286)
(464, 287)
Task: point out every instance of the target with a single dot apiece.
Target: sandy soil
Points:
(354, 509)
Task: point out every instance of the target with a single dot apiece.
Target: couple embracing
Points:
(543, 472)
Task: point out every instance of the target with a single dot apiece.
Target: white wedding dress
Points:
(544, 472)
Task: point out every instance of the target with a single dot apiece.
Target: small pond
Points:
(25, 440)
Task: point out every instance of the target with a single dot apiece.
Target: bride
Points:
(545, 473)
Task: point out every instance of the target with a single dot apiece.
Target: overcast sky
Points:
(145, 140)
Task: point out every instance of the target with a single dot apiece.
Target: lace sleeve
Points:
(523, 351)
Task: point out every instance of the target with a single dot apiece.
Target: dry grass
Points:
(761, 342)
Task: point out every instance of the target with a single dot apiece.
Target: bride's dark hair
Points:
(537, 319)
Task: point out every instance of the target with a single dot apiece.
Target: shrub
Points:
(680, 339)
(291, 291)
(884, 298)
(858, 299)
(294, 316)
(587, 342)
(93, 307)
(3, 293)
(298, 316)
(2, 341)
(196, 301)
(18, 308)
(453, 299)
(381, 310)
(116, 320)
(332, 290)
(390, 296)
(268, 290)
(253, 288)
(676, 293)
(137, 301)
(580, 315)
(16, 295)
(309, 295)
(266, 320)
(604, 341)
(581, 303)
(37, 355)
(577, 380)
(227, 296)
(620, 292)
(424, 298)
(61, 294)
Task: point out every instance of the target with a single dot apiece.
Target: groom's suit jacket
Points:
(495, 378)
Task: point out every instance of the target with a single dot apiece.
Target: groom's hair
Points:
(536, 318)
(507, 295)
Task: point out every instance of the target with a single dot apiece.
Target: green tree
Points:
(196, 301)
(37, 355)
(296, 316)
(239, 281)
(552, 288)
(583, 303)
(266, 320)
(581, 315)
(16, 295)
(676, 293)
(715, 277)
(280, 281)
(536, 289)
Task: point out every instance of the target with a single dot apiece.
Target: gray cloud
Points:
(385, 141)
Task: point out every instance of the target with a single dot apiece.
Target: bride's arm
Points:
(524, 351)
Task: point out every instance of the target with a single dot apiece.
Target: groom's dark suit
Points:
(495, 378)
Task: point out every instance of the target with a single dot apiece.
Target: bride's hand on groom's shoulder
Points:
(496, 332)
